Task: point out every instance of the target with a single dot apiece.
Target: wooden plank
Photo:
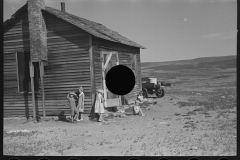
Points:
(32, 88)
(104, 81)
(42, 87)
(14, 47)
(12, 106)
(62, 48)
(73, 41)
(77, 61)
(78, 66)
(48, 105)
(61, 36)
(53, 69)
(92, 77)
(107, 61)
(85, 83)
(64, 89)
(76, 54)
(79, 48)
(16, 39)
(70, 47)
(80, 75)
(83, 80)
(77, 74)
(61, 32)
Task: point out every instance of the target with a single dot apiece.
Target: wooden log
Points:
(32, 88)
(73, 41)
(93, 87)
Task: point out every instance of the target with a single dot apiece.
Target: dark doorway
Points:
(24, 80)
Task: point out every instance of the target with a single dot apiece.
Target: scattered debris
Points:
(193, 148)
(18, 131)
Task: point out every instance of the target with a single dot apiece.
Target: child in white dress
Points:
(80, 105)
(99, 104)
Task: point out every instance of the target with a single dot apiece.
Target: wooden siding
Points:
(139, 78)
(68, 67)
(124, 54)
(114, 46)
(97, 68)
(124, 59)
(16, 38)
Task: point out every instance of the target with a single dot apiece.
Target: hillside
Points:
(218, 62)
(176, 71)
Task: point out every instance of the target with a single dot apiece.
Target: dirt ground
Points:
(196, 117)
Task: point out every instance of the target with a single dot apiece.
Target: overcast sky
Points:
(169, 29)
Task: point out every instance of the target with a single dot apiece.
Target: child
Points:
(140, 99)
(138, 111)
(74, 112)
(99, 104)
(80, 105)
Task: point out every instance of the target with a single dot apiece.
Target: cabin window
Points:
(23, 74)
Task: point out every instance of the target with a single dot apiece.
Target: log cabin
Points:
(48, 52)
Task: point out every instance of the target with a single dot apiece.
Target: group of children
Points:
(76, 100)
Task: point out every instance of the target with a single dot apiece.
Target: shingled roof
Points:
(93, 28)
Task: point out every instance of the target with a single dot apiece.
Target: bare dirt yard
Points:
(196, 117)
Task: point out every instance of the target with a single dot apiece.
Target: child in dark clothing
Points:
(72, 100)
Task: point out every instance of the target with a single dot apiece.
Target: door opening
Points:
(110, 59)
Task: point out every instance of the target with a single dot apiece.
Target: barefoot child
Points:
(140, 98)
(99, 104)
(138, 111)
(80, 105)
(138, 102)
(74, 112)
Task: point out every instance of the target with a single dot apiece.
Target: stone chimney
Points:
(62, 6)
(37, 30)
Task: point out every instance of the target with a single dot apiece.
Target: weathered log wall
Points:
(97, 68)
(68, 64)
(68, 67)
(16, 38)
(124, 53)
(125, 59)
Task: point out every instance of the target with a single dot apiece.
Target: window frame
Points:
(18, 79)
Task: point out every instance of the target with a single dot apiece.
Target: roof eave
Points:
(48, 9)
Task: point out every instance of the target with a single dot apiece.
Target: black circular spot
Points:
(43, 158)
(120, 80)
(73, 159)
(13, 159)
(163, 159)
(193, 159)
(104, 158)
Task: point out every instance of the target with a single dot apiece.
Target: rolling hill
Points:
(222, 62)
